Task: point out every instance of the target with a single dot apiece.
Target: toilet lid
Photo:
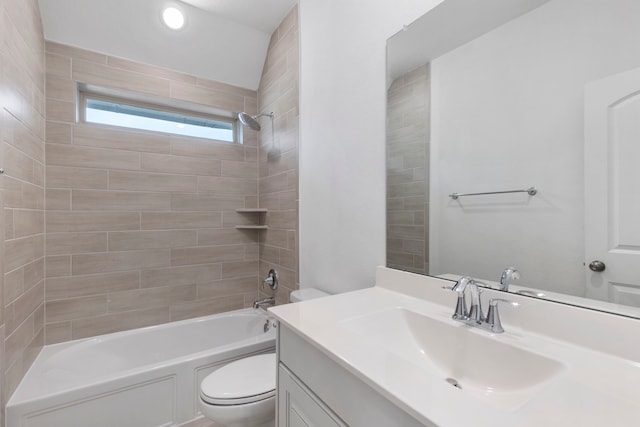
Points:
(244, 381)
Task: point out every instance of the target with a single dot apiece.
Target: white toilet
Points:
(243, 393)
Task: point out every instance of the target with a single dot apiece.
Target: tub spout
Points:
(262, 303)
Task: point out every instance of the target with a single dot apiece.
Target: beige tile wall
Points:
(278, 157)
(22, 109)
(141, 226)
(408, 171)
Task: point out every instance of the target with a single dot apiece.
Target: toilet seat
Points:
(244, 381)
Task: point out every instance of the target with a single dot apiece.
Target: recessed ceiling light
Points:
(173, 18)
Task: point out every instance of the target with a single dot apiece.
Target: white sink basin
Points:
(468, 358)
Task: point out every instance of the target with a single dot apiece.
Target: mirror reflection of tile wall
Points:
(408, 171)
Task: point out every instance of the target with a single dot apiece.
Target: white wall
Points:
(508, 113)
(342, 137)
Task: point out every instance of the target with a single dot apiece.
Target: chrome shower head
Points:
(250, 121)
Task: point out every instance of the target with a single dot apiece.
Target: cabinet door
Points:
(299, 407)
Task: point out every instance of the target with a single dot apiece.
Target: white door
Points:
(612, 187)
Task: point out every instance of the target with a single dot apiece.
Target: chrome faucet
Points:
(508, 275)
(474, 316)
(261, 303)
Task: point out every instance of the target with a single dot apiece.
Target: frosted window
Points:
(136, 117)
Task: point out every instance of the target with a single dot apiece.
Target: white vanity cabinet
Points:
(299, 407)
(313, 390)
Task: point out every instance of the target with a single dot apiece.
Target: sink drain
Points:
(454, 382)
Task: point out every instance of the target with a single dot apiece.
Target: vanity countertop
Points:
(586, 385)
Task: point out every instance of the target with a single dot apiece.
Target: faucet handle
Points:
(493, 316)
(493, 302)
(271, 280)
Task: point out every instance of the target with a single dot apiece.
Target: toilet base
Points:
(256, 414)
(271, 423)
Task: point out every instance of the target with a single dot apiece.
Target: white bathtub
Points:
(138, 378)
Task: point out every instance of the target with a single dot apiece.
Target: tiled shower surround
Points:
(278, 160)
(140, 227)
(108, 229)
(22, 112)
(408, 136)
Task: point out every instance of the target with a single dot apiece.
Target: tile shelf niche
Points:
(258, 211)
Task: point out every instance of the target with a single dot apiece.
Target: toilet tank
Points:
(306, 294)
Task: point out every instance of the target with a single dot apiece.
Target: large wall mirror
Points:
(501, 95)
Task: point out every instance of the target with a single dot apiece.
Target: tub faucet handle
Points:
(271, 280)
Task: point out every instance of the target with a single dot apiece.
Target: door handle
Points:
(597, 266)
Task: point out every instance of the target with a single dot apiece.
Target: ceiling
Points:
(222, 40)
(432, 35)
(262, 15)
